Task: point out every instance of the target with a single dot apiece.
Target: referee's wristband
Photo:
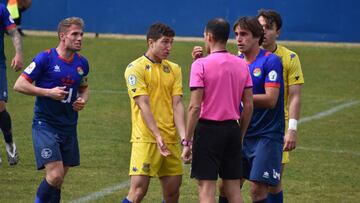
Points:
(292, 124)
(186, 143)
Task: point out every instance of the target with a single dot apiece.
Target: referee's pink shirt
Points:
(224, 77)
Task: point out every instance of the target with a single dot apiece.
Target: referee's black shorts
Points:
(216, 150)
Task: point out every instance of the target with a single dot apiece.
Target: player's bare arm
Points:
(17, 61)
(294, 113)
(144, 104)
(179, 115)
(22, 85)
(248, 107)
(267, 100)
(192, 120)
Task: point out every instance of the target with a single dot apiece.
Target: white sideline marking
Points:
(328, 112)
(101, 193)
(109, 190)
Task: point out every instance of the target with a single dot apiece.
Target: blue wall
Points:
(306, 20)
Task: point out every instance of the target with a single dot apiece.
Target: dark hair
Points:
(220, 29)
(157, 30)
(251, 24)
(272, 17)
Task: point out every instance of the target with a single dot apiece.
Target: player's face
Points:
(270, 33)
(245, 41)
(161, 48)
(72, 38)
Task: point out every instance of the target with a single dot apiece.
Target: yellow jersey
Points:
(160, 82)
(292, 73)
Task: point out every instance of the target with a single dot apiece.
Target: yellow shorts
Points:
(146, 160)
(285, 157)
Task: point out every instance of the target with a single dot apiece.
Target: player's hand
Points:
(17, 62)
(197, 52)
(186, 155)
(79, 104)
(290, 140)
(57, 93)
(162, 147)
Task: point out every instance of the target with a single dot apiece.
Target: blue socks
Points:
(47, 193)
(5, 125)
(125, 201)
(275, 198)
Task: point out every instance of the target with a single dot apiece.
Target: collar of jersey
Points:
(152, 60)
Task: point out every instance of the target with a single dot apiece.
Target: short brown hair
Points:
(251, 24)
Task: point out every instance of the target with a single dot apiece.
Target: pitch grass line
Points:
(101, 193)
(122, 185)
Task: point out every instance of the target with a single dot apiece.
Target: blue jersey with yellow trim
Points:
(49, 70)
(266, 71)
(6, 23)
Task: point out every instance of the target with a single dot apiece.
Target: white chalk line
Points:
(124, 184)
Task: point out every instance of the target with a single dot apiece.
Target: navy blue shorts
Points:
(216, 150)
(50, 145)
(262, 160)
(3, 84)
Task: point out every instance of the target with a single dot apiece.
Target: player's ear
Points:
(61, 35)
(278, 32)
(150, 43)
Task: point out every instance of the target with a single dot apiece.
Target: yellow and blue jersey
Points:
(48, 70)
(160, 82)
(266, 71)
(292, 72)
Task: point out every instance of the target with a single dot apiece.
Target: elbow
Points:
(272, 103)
(194, 109)
(17, 87)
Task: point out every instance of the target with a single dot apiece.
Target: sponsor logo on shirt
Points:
(134, 169)
(273, 75)
(30, 68)
(257, 72)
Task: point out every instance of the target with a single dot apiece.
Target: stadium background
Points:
(305, 20)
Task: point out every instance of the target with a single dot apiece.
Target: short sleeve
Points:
(197, 74)
(295, 75)
(177, 88)
(36, 68)
(274, 72)
(84, 80)
(135, 81)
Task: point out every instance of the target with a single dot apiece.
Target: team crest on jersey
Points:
(146, 167)
(30, 68)
(272, 75)
(166, 69)
(80, 70)
(147, 67)
(46, 153)
(257, 72)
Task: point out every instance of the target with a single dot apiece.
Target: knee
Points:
(171, 195)
(258, 191)
(55, 178)
(136, 194)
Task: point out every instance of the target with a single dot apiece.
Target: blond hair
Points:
(67, 22)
